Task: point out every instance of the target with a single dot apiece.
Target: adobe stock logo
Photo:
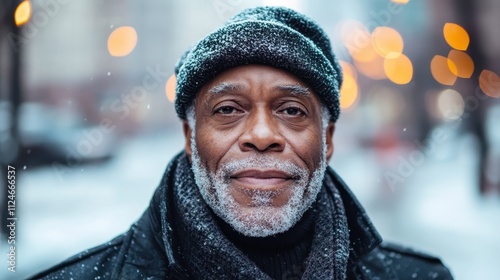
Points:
(224, 8)
(407, 165)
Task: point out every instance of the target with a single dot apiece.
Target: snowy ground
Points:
(436, 209)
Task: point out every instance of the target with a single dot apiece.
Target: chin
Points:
(262, 221)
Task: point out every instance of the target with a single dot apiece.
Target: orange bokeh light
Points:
(442, 70)
(373, 69)
(456, 36)
(170, 88)
(399, 69)
(489, 82)
(460, 63)
(348, 91)
(22, 13)
(122, 41)
(387, 42)
(348, 69)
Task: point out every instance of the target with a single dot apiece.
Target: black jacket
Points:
(147, 251)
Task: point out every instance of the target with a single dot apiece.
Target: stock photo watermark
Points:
(39, 19)
(224, 8)
(407, 166)
(11, 218)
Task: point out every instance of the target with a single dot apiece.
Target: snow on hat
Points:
(273, 36)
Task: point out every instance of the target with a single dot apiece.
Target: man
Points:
(251, 197)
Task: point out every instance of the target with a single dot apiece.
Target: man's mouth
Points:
(263, 180)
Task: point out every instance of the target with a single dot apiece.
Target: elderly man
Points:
(252, 196)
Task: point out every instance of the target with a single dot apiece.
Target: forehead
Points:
(249, 77)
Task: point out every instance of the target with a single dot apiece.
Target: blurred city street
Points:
(441, 214)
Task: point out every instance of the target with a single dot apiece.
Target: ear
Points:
(330, 129)
(187, 135)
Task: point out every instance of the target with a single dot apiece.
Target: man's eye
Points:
(293, 111)
(226, 110)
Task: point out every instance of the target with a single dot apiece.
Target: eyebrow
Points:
(227, 88)
(294, 89)
(223, 88)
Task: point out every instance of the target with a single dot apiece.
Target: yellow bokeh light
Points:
(489, 82)
(348, 92)
(122, 41)
(364, 54)
(400, 1)
(22, 13)
(387, 42)
(460, 64)
(398, 69)
(451, 104)
(456, 36)
(348, 69)
(442, 70)
(373, 69)
(170, 88)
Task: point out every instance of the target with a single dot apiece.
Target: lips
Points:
(271, 180)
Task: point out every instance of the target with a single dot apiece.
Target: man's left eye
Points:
(293, 111)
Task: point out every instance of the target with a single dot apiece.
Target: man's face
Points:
(259, 148)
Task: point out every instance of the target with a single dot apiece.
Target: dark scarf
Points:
(205, 251)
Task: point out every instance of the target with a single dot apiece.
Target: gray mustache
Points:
(263, 162)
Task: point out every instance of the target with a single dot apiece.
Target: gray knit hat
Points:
(274, 36)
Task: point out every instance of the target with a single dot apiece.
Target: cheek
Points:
(307, 145)
(213, 145)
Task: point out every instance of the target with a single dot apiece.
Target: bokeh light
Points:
(348, 69)
(348, 91)
(442, 70)
(22, 13)
(122, 41)
(456, 36)
(450, 104)
(387, 42)
(357, 40)
(460, 64)
(398, 69)
(489, 82)
(386, 103)
(400, 1)
(170, 88)
(373, 69)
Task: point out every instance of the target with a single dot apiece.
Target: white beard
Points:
(261, 219)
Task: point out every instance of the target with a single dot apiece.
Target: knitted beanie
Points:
(273, 36)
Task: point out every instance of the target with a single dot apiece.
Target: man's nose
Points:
(262, 133)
